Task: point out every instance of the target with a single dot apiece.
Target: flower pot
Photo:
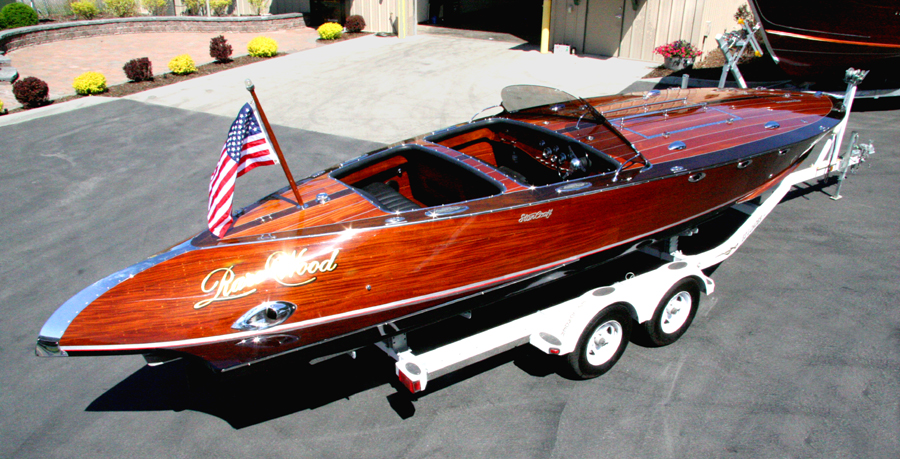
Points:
(678, 63)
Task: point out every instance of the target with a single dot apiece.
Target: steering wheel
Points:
(575, 165)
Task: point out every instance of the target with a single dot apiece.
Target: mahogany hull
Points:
(810, 39)
(364, 276)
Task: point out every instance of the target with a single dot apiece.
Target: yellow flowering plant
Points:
(89, 83)
(262, 47)
(182, 65)
(330, 31)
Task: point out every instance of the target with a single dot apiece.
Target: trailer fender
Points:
(639, 295)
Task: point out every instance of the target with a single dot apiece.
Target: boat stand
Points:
(571, 328)
(733, 44)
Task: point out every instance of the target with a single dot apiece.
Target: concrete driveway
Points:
(797, 354)
(386, 90)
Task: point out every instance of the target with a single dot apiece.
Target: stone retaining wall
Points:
(47, 33)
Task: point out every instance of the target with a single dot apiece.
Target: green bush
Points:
(262, 47)
(121, 8)
(219, 7)
(182, 65)
(330, 31)
(85, 9)
(193, 7)
(156, 7)
(258, 5)
(18, 15)
(2, 22)
(89, 83)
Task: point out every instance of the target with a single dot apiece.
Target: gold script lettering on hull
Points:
(284, 268)
(535, 215)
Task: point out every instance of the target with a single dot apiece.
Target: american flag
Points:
(245, 148)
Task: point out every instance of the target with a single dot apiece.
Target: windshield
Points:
(543, 100)
(522, 96)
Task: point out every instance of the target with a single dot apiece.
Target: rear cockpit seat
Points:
(390, 198)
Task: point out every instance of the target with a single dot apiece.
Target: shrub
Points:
(330, 31)
(156, 7)
(19, 15)
(121, 8)
(2, 22)
(193, 7)
(745, 15)
(89, 83)
(139, 69)
(219, 7)
(258, 5)
(182, 65)
(355, 24)
(31, 92)
(219, 49)
(84, 9)
(678, 48)
(262, 47)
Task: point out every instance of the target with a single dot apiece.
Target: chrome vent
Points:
(677, 145)
(265, 315)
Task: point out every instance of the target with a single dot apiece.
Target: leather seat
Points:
(389, 197)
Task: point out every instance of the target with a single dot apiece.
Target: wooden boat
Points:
(808, 38)
(445, 222)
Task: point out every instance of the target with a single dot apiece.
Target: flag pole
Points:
(271, 135)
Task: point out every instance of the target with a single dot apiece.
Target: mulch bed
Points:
(132, 87)
(344, 37)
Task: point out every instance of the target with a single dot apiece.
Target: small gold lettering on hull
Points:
(286, 269)
(535, 216)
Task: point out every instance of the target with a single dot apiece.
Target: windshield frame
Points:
(547, 101)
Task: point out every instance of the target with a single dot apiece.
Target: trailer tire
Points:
(674, 313)
(601, 344)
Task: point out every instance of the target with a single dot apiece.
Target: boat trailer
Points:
(592, 330)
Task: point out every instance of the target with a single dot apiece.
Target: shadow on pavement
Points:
(285, 385)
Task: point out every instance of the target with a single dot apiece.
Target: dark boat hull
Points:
(810, 39)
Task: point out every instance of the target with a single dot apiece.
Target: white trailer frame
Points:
(559, 329)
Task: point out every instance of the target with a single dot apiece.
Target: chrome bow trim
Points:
(48, 348)
(59, 321)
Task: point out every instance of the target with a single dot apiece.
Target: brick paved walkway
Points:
(58, 63)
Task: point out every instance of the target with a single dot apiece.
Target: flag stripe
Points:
(245, 149)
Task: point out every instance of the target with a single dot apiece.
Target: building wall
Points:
(651, 24)
(243, 8)
(382, 15)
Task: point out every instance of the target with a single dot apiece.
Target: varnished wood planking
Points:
(431, 259)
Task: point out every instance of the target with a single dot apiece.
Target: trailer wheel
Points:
(601, 343)
(674, 314)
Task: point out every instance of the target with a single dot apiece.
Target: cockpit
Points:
(525, 153)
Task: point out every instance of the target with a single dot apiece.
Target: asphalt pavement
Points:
(797, 354)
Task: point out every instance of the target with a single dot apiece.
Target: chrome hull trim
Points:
(56, 325)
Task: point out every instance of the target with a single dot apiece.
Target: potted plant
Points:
(678, 55)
